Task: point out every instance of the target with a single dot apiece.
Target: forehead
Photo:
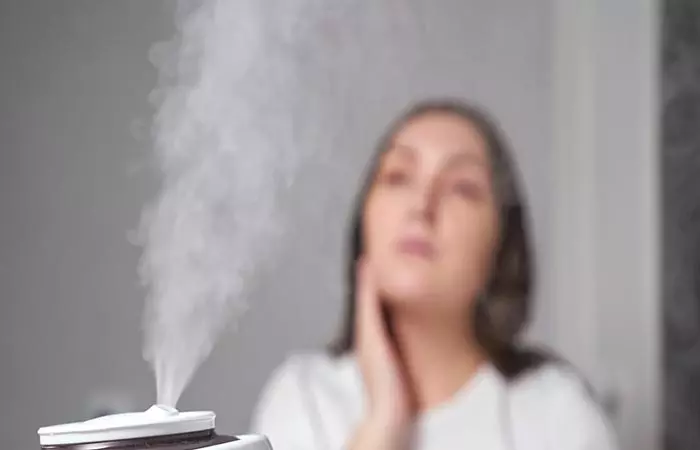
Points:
(441, 134)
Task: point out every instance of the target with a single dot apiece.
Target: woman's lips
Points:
(417, 247)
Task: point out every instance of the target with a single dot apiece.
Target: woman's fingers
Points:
(388, 393)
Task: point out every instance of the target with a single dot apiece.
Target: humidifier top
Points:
(158, 420)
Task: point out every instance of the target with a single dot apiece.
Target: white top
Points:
(315, 402)
(158, 420)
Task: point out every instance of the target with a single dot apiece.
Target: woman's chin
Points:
(411, 289)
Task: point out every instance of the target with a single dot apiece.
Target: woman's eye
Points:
(395, 178)
(467, 189)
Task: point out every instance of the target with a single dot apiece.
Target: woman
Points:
(440, 278)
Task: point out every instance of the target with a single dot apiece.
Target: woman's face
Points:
(430, 221)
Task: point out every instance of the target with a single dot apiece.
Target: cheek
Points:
(380, 224)
(469, 241)
(397, 277)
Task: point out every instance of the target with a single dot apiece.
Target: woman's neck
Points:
(437, 356)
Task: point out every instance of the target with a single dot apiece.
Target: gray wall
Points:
(604, 267)
(75, 78)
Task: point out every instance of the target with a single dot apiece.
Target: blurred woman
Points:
(440, 275)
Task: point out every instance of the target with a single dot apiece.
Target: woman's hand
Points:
(390, 407)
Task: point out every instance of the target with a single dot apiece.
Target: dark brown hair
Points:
(502, 311)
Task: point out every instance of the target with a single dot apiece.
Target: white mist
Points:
(224, 146)
(249, 91)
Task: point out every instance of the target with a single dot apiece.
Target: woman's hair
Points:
(502, 311)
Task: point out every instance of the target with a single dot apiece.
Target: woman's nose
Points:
(426, 201)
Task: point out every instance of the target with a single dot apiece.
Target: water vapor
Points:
(248, 90)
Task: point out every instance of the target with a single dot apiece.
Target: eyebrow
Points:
(456, 160)
(402, 149)
(466, 159)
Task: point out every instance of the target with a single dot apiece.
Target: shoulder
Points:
(557, 400)
(316, 371)
(299, 393)
(550, 380)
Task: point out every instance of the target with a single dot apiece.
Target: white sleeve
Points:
(577, 421)
(282, 411)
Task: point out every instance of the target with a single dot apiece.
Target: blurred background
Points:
(601, 99)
